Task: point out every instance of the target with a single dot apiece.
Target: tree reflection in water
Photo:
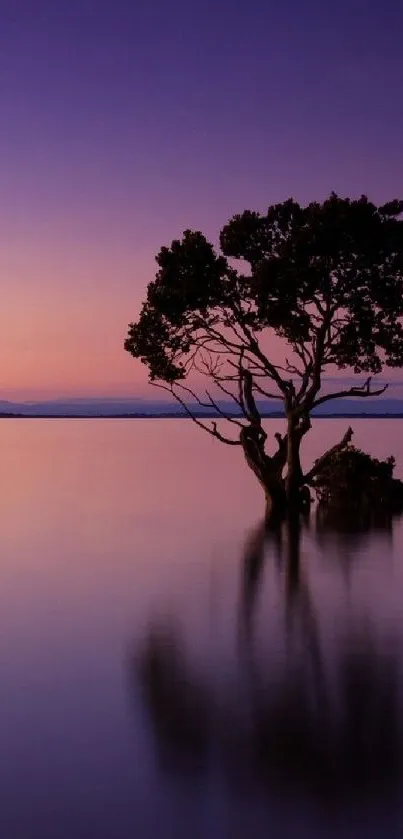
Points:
(327, 730)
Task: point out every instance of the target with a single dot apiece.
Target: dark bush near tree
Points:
(351, 480)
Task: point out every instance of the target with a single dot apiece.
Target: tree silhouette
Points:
(326, 279)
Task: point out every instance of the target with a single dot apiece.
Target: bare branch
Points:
(267, 393)
(270, 368)
(225, 390)
(362, 391)
(210, 404)
(210, 429)
(222, 413)
(292, 368)
(303, 353)
(240, 386)
(248, 363)
(305, 381)
(319, 346)
(249, 400)
(222, 339)
(322, 460)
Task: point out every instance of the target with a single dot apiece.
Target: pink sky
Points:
(65, 309)
(64, 316)
(125, 123)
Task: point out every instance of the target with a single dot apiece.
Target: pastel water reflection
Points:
(168, 666)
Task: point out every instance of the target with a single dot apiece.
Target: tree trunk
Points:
(268, 471)
(275, 503)
(283, 496)
(294, 476)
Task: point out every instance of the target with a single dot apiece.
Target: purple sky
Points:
(122, 123)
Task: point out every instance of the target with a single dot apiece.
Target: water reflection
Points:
(316, 723)
(342, 526)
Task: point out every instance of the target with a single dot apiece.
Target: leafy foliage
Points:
(354, 480)
(327, 277)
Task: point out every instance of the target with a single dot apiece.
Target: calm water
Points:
(169, 669)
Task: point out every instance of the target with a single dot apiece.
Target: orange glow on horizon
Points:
(64, 320)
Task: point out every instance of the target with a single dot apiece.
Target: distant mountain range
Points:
(127, 407)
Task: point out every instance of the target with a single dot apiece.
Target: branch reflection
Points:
(323, 726)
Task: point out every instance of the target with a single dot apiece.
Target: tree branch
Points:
(362, 391)
(303, 353)
(211, 430)
(254, 348)
(250, 404)
(210, 404)
(267, 393)
(222, 413)
(218, 383)
(319, 346)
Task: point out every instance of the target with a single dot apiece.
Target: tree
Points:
(327, 279)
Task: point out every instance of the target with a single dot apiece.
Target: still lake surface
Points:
(168, 668)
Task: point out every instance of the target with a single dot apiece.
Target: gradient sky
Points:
(122, 122)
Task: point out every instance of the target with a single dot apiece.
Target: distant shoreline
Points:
(184, 416)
